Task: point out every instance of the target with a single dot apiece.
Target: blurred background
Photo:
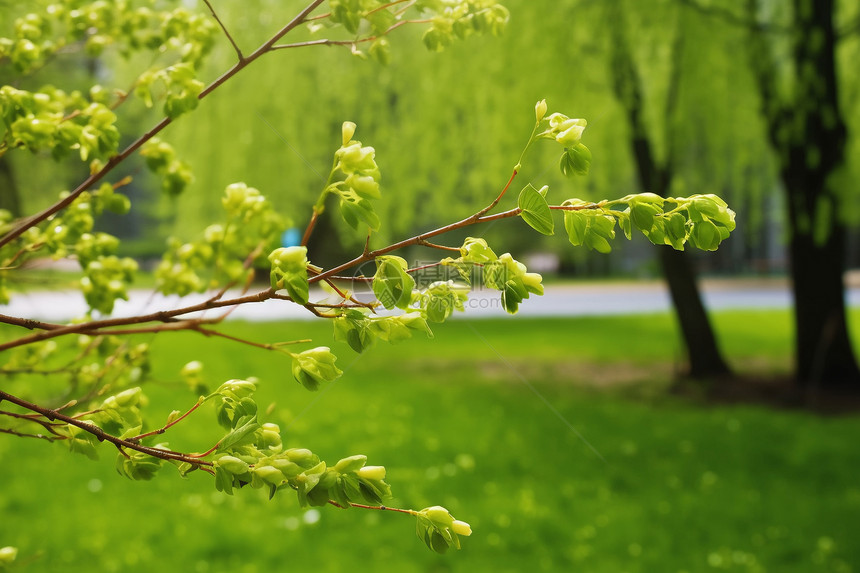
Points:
(567, 441)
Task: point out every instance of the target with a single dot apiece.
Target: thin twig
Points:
(310, 228)
(224, 28)
(440, 247)
(498, 197)
(165, 427)
(328, 42)
(210, 332)
(376, 507)
(39, 436)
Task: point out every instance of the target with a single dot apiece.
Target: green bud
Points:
(347, 131)
(354, 158)
(461, 528)
(372, 472)
(290, 272)
(364, 185)
(540, 110)
(301, 456)
(477, 251)
(269, 474)
(8, 555)
(193, 368)
(570, 132)
(315, 366)
(438, 514)
(237, 388)
(232, 464)
(270, 437)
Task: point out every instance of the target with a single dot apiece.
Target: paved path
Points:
(587, 299)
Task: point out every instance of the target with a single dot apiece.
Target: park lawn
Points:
(552, 437)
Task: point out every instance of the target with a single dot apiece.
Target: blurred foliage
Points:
(446, 125)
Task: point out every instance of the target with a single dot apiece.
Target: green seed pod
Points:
(232, 464)
(269, 474)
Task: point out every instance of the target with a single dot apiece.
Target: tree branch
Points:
(119, 158)
(166, 316)
(224, 28)
(376, 507)
(101, 434)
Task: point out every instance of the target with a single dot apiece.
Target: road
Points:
(586, 299)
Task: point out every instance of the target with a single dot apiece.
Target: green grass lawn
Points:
(553, 438)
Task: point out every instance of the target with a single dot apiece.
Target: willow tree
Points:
(800, 100)
(656, 176)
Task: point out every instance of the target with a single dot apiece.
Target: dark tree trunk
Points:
(809, 134)
(10, 200)
(705, 358)
(703, 352)
(823, 353)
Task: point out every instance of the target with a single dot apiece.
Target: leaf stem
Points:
(165, 427)
(375, 507)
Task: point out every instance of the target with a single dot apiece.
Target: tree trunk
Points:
(705, 358)
(10, 200)
(824, 357)
(808, 132)
(703, 352)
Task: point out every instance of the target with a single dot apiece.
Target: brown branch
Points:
(224, 28)
(29, 323)
(100, 434)
(376, 507)
(39, 436)
(440, 247)
(498, 198)
(416, 240)
(166, 316)
(209, 332)
(120, 157)
(35, 418)
(310, 228)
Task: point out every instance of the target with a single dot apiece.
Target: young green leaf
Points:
(392, 285)
(290, 272)
(535, 211)
(315, 366)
